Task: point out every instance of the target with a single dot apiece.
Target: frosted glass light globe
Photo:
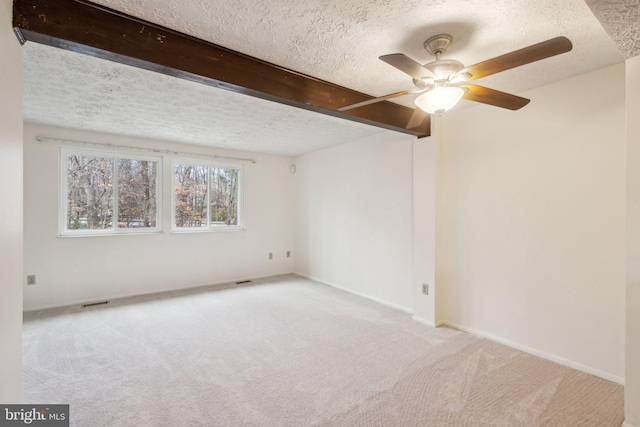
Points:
(439, 99)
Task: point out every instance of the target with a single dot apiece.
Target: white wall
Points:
(632, 386)
(353, 217)
(424, 229)
(534, 222)
(70, 270)
(10, 209)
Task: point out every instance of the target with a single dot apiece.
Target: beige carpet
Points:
(287, 351)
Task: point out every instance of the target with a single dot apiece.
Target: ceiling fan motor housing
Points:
(444, 68)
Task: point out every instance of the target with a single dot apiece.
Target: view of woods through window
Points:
(106, 192)
(206, 196)
(100, 189)
(136, 193)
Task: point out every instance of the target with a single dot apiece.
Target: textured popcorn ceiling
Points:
(71, 90)
(335, 40)
(621, 19)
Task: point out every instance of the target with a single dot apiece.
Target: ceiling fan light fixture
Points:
(439, 100)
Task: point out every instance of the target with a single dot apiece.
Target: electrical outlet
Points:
(425, 288)
(270, 255)
(31, 279)
(288, 254)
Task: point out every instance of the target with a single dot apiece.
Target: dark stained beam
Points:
(95, 30)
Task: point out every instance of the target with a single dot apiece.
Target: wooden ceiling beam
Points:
(95, 30)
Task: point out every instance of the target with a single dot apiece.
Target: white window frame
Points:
(114, 230)
(208, 228)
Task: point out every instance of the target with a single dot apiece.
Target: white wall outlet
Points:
(31, 279)
(270, 255)
(425, 288)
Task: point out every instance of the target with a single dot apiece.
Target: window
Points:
(108, 193)
(207, 197)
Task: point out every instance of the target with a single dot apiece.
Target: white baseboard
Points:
(423, 321)
(360, 294)
(562, 361)
(427, 321)
(544, 355)
(146, 292)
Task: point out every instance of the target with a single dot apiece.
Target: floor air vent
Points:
(93, 304)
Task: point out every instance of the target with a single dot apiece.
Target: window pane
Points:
(90, 191)
(224, 196)
(191, 196)
(136, 193)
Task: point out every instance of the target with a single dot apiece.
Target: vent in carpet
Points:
(93, 304)
(244, 281)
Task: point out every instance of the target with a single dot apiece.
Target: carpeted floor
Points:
(287, 351)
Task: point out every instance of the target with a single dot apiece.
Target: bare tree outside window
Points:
(109, 193)
(206, 196)
(89, 192)
(224, 196)
(136, 193)
(191, 196)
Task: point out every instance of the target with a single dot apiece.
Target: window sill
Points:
(206, 230)
(89, 234)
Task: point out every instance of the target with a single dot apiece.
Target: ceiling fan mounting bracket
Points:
(438, 45)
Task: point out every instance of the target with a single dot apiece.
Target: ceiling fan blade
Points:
(519, 57)
(407, 65)
(381, 98)
(493, 97)
(417, 118)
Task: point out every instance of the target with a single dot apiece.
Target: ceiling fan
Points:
(444, 82)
